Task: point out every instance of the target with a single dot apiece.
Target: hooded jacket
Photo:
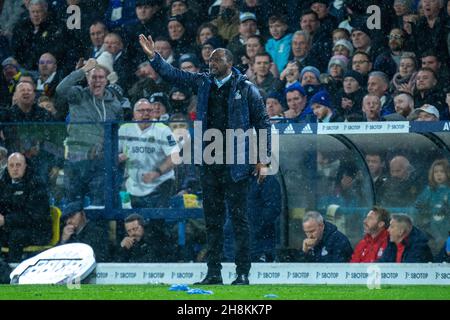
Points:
(83, 139)
(246, 107)
(333, 247)
(416, 249)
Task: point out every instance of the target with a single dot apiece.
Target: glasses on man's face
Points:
(360, 62)
(395, 36)
(46, 62)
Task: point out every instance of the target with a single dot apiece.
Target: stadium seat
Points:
(55, 214)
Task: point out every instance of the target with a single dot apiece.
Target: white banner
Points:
(363, 127)
(278, 273)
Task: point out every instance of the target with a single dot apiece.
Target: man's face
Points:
(398, 169)
(320, 8)
(425, 80)
(97, 82)
(309, 78)
(178, 8)
(309, 23)
(376, 86)
(47, 65)
(248, 28)
(319, 111)
(371, 224)
(396, 40)
(176, 30)
(188, 66)
(25, 94)
(134, 230)
(425, 116)
(375, 165)
(360, 40)
(76, 220)
(300, 46)
(431, 62)
(402, 105)
(262, 66)
(218, 64)
(313, 230)
(97, 34)
(400, 8)
(350, 85)
(277, 29)
(144, 111)
(296, 101)
(9, 72)
(158, 109)
(396, 232)
(113, 44)
(361, 64)
(430, 8)
(273, 107)
(145, 13)
(371, 107)
(16, 167)
(37, 14)
(163, 48)
(146, 71)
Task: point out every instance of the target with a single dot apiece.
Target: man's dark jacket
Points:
(416, 249)
(334, 247)
(246, 108)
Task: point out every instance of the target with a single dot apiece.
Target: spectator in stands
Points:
(151, 20)
(427, 112)
(206, 50)
(84, 166)
(228, 20)
(182, 101)
(404, 80)
(275, 105)
(9, 79)
(205, 31)
(297, 104)
(376, 164)
(179, 36)
(261, 10)
(36, 35)
(10, 15)
(255, 45)
(322, 108)
(79, 229)
(310, 81)
(407, 244)
(47, 104)
(139, 244)
(327, 21)
(341, 34)
(97, 34)
(371, 108)
(332, 81)
(263, 78)
(361, 63)
(164, 48)
(49, 77)
(291, 74)
(432, 60)
(279, 45)
(323, 243)
(160, 105)
(113, 44)
(247, 28)
(24, 208)
(362, 40)
(389, 60)
(378, 84)
(120, 14)
(402, 9)
(404, 107)
(343, 47)
(301, 48)
(401, 188)
(427, 91)
(376, 237)
(433, 204)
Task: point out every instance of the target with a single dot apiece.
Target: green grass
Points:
(226, 292)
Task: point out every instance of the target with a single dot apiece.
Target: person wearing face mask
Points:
(228, 20)
(180, 100)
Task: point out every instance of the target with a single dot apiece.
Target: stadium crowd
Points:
(312, 61)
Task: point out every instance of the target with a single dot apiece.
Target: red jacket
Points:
(371, 249)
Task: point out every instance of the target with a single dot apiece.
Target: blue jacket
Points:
(334, 247)
(246, 108)
(416, 250)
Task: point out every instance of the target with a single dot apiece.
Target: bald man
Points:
(24, 208)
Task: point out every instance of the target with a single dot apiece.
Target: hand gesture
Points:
(127, 242)
(147, 45)
(346, 103)
(308, 244)
(68, 231)
(89, 65)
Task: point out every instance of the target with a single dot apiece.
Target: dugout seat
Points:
(55, 214)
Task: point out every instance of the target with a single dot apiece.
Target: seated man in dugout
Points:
(24, 208)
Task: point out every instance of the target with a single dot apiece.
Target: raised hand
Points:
(147, 45)
(89, 65)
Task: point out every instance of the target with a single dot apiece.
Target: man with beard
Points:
(376, 237)
(389, 60)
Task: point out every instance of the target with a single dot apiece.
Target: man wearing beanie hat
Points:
(247, 28)
(349, 99)
(84, 169)
(343, 47)
(78, 229)
(297, 104)
(322, 108)
(364, 39)
(226, 100)
(308, 71)
(160, 103)
(189, 62)
(340, 61)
